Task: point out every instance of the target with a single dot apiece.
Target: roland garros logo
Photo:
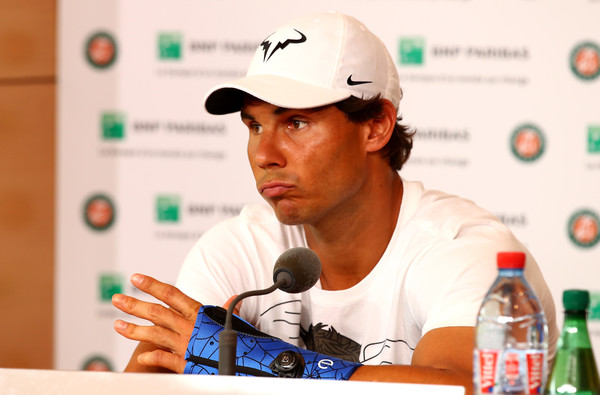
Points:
(584, 228)
(99, 212)
(527, 142)
(585, 60)
(101, 50)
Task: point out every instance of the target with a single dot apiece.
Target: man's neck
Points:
(351, 245)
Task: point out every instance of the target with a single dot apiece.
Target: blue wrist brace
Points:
(257, 354)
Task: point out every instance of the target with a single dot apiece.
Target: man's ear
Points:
(381, 128)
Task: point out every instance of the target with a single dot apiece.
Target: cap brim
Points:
(276, 90)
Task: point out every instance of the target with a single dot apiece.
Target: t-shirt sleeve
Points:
(454, 275)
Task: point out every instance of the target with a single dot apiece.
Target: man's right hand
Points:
(162, 345)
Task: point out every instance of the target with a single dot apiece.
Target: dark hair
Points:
(398, 148)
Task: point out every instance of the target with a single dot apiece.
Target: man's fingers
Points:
(168, 294)
(163, 359)
(156, 335)
(153, 312)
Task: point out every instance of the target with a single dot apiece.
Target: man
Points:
(404, 269)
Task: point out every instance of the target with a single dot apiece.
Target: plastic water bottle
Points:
(511, 336)
(574, 370)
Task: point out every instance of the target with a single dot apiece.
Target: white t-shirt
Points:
(436, 270)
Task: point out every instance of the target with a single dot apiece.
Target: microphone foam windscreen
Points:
(302, 264)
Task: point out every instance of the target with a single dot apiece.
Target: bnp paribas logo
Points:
(170, 46)
(585, 60)
(110, 284)
(411, 50)
(584, 228)
(101, 50)
(593, 139)
(112, 125)
(168, 208)
(99, 212)
(527, 142)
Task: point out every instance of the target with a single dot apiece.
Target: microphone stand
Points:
(228, 337)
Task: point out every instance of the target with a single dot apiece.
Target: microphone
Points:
(295, 271)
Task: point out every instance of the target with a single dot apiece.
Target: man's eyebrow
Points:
(277, 111)
(281, 110)
(244, 115)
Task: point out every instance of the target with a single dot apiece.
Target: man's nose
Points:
(269, 151)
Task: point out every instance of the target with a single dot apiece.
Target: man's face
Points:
(309, 165)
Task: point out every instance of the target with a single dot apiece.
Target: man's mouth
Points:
(274, 189)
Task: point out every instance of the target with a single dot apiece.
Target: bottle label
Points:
(510, 370)
(535, 371)
(488, 360)
(511, 367)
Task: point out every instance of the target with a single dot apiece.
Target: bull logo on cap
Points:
(282, 42)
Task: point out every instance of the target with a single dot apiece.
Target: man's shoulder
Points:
(438, 210)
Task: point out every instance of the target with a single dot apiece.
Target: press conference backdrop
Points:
(504, 97)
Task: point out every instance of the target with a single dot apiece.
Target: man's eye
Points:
(297, 124)
(255, 128)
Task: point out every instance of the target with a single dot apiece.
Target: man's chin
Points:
(287, 219)
(286, 213)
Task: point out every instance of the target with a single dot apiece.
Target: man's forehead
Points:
(251, 101)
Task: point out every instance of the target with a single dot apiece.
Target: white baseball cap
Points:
(313, 61)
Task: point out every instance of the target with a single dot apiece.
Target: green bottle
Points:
(574, 370)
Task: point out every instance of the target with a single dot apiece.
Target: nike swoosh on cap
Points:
(351, 82)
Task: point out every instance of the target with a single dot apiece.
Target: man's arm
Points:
(442, 356)
(162, 346)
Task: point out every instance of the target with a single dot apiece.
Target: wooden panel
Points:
(27, 38)
(26, 225)
(27, 105)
